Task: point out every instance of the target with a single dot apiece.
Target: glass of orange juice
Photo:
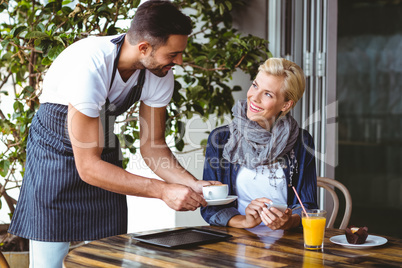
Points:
(313, 228)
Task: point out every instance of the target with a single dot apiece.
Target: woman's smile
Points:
(254, 108)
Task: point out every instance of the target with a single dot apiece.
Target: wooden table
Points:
(247, 248)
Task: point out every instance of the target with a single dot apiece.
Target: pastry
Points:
(356, 235)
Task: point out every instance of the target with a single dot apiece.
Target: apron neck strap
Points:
(119, 42)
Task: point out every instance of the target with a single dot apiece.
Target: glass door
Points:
(304, 31)
(369, 92)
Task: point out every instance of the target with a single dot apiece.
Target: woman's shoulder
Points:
(305, 139)
(220, 134)
(221, 131)
(304, 135)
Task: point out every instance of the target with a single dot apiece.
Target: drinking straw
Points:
(300, 201)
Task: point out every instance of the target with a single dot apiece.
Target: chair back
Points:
(3, 261)
(329, 185)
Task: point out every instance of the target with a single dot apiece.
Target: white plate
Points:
(371, 241)
(219, 202)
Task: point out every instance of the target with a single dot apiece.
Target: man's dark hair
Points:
(155, 21)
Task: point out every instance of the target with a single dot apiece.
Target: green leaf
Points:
(179, 144)
(236, 88)
(60, 40)
(132, 150)
(52, 7)
(5, 42)
(177, 97)
(28, 90)
(18, 106)
(128, 140)
(198, 108)
(54, 52)
(22, 128)
(44, 45)
(46, 61)
(181, 128)
(3, 6)
(112, 30)
(125, 161)
(200, 59)
(17, 30)
(221, 9)
(66, 2)
(228, 4)
(212, 54)
(36, 35)
(194, 91)
(7, 56)
(4, 167)
(41, 27)
(104, 9)
(31, 18)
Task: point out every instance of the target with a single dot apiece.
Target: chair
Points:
(3, 261)
(329, 185)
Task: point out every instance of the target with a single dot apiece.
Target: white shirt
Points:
(82, 73)
(255, 183)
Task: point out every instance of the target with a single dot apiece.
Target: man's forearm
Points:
(113, 178)
(162, 161)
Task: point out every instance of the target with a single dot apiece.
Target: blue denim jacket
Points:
(303, 177)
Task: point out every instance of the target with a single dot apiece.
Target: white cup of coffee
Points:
(213, 192)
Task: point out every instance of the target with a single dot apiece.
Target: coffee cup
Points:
(213, 192)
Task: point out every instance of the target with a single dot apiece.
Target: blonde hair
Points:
(294, 81)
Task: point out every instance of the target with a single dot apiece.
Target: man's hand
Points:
(197, 186)
(181, 198)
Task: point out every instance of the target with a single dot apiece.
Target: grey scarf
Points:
(252, 145)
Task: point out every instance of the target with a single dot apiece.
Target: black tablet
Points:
(181, 238)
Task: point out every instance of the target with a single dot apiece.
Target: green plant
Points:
(33, 35)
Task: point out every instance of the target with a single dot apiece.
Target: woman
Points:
(263, 153)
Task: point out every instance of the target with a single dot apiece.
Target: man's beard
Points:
(160, 72)
(156, 69)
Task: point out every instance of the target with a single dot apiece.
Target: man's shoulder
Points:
(96, 40)
(91, 47)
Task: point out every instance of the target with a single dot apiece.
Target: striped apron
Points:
(54, 203)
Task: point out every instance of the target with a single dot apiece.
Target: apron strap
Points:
(119, 42)
(135, 92)
(133, 96)
(110, 111)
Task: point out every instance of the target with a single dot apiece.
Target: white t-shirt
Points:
(255, 183)
(82, 73)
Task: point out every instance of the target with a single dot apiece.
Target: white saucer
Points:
(371, 241)
(218, 202)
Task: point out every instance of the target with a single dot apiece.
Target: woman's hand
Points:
(252, 217)
(275, 219)
(253, 211)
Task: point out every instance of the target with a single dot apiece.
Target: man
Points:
(74, 188)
